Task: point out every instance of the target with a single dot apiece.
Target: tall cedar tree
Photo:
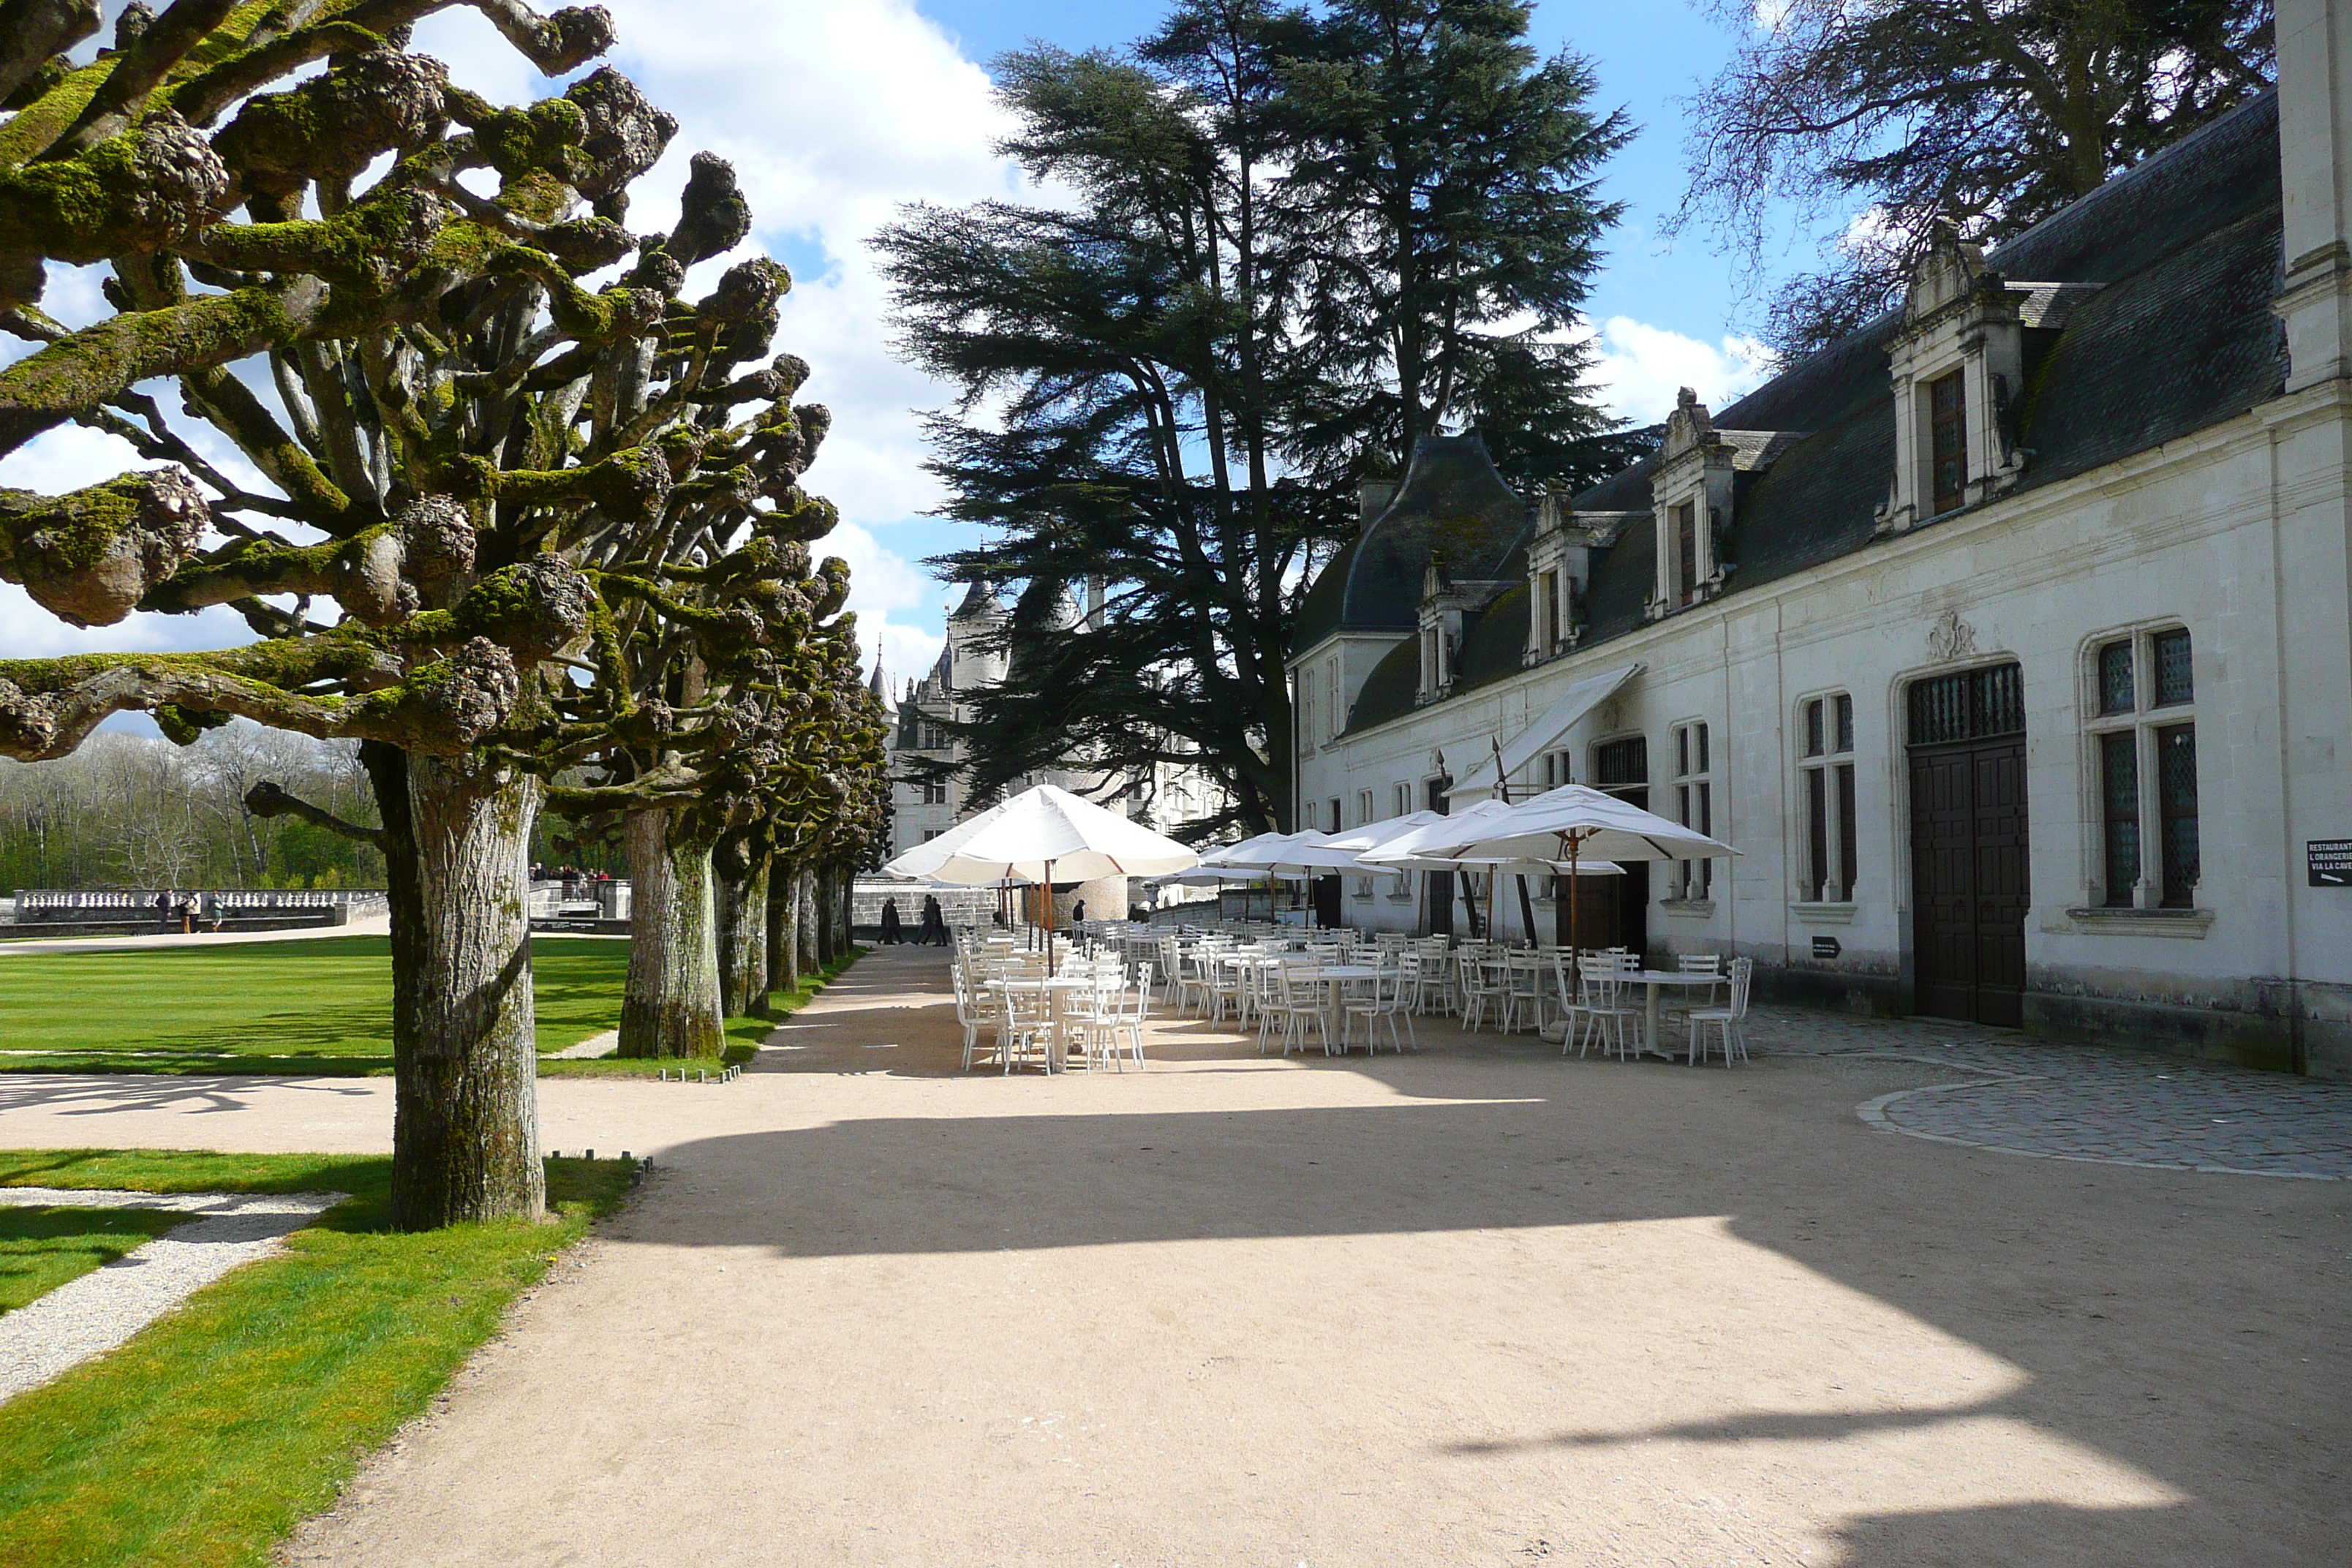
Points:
(1989, 115)
(1175, 383)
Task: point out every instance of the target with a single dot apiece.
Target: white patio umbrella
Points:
(1562, 823)
(1305, 851)
(1403, 852)
(1038, 833)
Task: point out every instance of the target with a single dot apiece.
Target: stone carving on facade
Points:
(1951, 638)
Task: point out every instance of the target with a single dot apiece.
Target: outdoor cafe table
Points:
(1055, 989)
(1335, 973)
(1654, 978)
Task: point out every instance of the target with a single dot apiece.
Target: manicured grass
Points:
(42, 1249)
(205, 1439)
(743, 1036)
(320, 1006)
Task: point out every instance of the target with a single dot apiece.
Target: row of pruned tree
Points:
(532, 531)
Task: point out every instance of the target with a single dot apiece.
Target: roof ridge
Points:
(2123, 180)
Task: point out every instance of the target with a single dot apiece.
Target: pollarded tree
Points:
(457, 425)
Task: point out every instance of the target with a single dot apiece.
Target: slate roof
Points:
(2177, 336)
(1452, 499)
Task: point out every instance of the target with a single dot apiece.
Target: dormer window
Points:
(1947, 435)
(1560, 565)
(1956, 364)
(1692, 494)
(1686, 571)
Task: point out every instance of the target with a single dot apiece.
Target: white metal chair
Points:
(1025, 1029)
(1298, 990)
(1523, 994)
(1727, 1020)
(1386, 995)
(1608, 1018)
(1482, 989)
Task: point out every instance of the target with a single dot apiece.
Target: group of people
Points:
(934, 927)
(192, 912)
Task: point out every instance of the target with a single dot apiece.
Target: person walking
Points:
(163, 912)
(935, 922)
(893, 929)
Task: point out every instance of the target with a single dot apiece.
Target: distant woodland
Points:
(130, 810)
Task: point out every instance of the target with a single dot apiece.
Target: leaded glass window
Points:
(2119, 799)
(2176, 791)
(2116, 678)
(2168, 652)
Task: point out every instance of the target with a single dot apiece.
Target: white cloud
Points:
(882, 581)
(1639, 367)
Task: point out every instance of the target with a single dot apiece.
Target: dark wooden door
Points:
(1968, 881)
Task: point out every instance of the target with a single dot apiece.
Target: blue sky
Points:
(835, 112)
(1645, 56)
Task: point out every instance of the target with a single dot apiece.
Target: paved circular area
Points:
(2080, 1102)
(2174, 1116)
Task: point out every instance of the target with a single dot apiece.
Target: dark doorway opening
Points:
(1622, 768)
(1969, 867)
(1437, 886)
(1326, 901)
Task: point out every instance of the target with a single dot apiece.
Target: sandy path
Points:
(1467, 1307)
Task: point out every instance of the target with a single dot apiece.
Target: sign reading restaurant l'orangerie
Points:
(2329, 862)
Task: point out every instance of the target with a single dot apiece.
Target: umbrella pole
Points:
(1574, 967)
(1049, 920)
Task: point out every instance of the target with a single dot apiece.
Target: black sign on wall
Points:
(2329, 861)
(1826, 947)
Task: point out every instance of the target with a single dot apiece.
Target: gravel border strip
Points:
(99, 1311)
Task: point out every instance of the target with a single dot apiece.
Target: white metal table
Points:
(1654, 979)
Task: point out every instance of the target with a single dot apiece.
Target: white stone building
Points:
(923, 808)
(2011, 638)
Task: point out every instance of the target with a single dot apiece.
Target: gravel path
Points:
(92, 1314)
(589, 1050)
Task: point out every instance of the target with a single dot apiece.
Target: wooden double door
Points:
(1970, 889)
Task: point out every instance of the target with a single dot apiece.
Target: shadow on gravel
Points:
(2176, 1322)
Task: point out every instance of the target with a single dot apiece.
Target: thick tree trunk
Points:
(671, 1007)
(465, 1138)
(784, 928)
(740, 882)
(804, 920)
(848, 906)
(827, 929)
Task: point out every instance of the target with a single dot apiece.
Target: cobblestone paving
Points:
(2082, 1103)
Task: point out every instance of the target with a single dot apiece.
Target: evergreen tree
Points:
(1297, 243)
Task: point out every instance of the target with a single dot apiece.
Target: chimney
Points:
(2315, 88)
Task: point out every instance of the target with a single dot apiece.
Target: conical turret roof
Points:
(979, 603)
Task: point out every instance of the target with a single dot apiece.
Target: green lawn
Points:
(743, 1036)
(316, 1007)
(42, 1249)
(205, 1439)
